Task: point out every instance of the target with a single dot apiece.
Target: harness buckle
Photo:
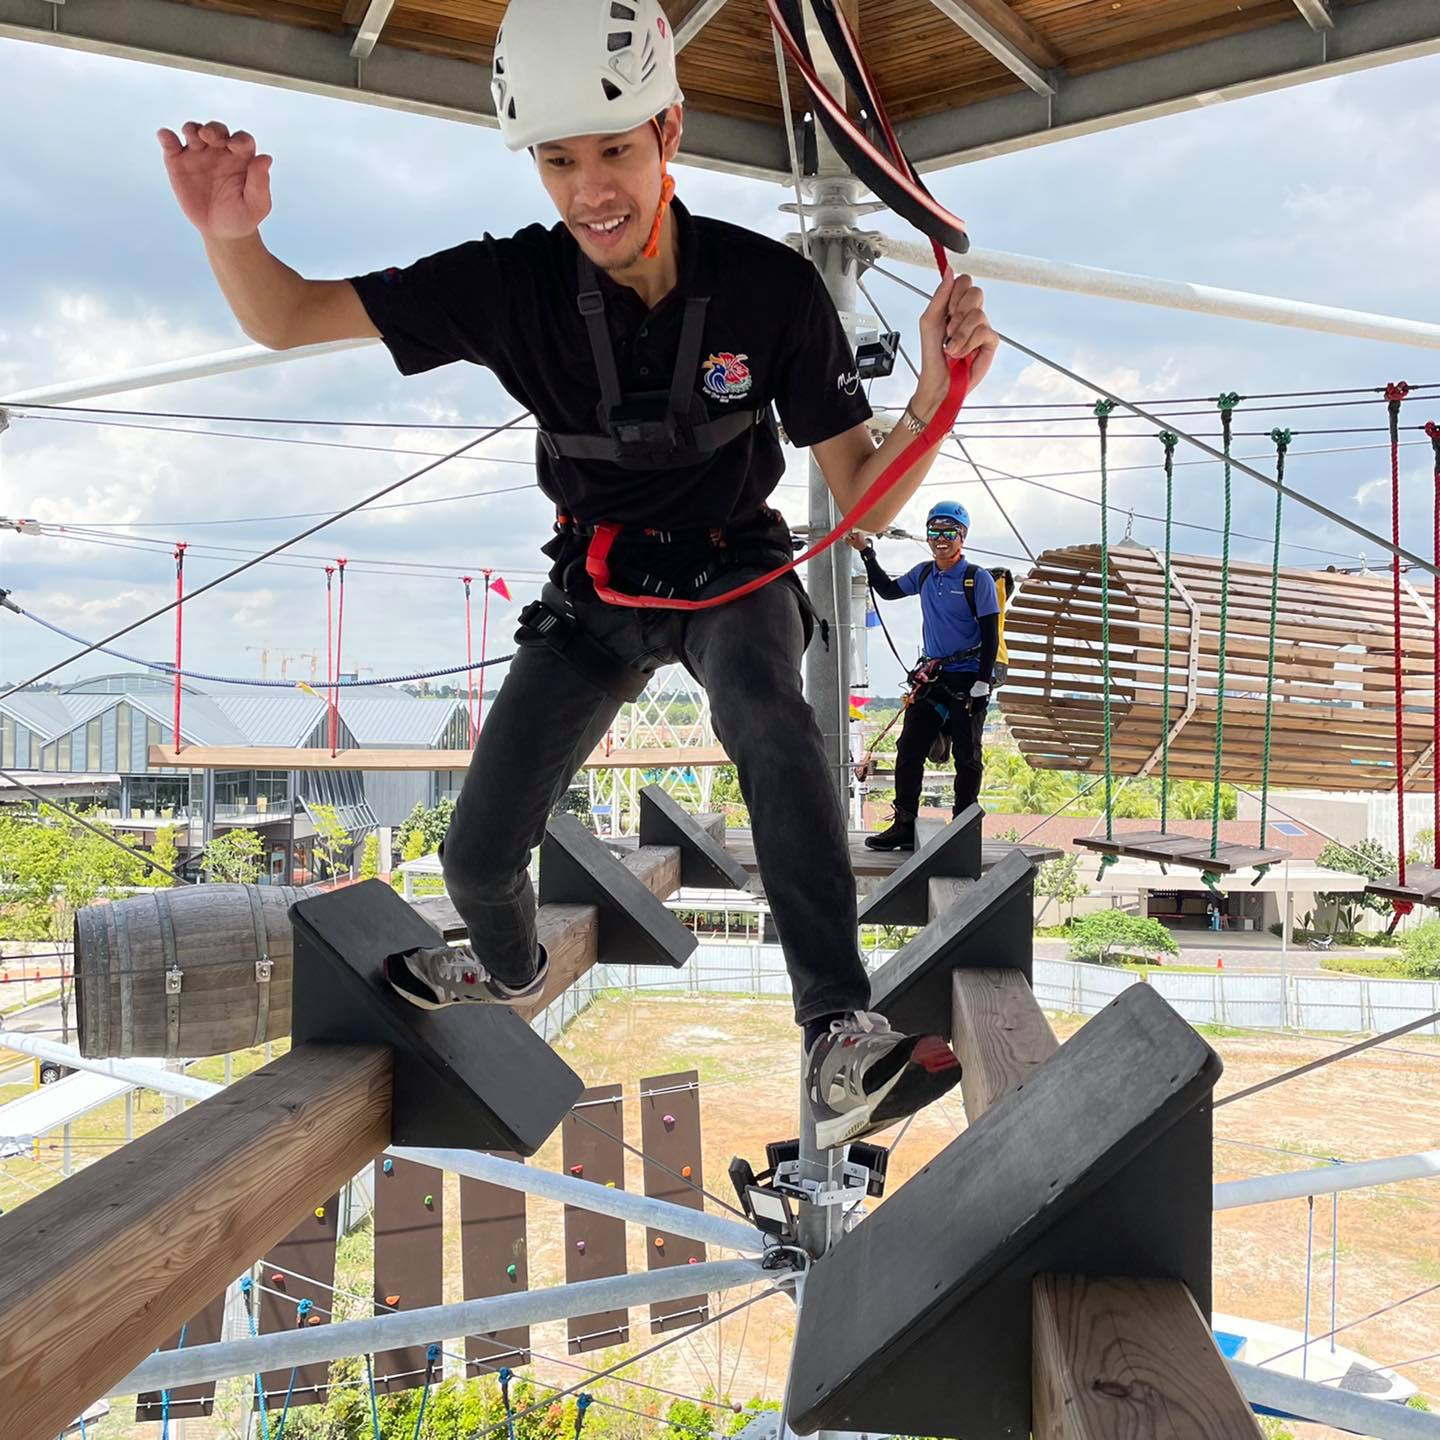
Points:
(590, 302)
(548, 445)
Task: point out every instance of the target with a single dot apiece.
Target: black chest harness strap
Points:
(648, 429)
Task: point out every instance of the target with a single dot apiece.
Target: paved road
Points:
(43, 1017)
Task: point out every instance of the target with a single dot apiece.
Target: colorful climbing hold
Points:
(388, 1167)
(392, 1301)
(659, 1242)
(314, 1319)
(609, 1184)
(668, 1121)
(429, 1202)
(577, 1170)
(686, 1172)
(580, 1246)
(278, 1279)
(511, 1271)
(319, 1212)
(693, 1260)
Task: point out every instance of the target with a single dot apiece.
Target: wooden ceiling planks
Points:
(1334, 711)
(923, 61)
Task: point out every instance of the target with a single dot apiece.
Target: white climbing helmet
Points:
(581, 67)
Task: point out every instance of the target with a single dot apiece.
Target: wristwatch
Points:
(911, 421)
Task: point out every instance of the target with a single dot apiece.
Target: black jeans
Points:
(924, 721)
(547, 719)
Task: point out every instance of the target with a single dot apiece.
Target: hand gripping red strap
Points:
(895, 176)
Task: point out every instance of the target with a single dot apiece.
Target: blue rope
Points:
(374, 1407)
(582, 1404)
(168, 669)
(506, 1375)
(432, 1356)
(164, 1396)
(82, 1425)
(247, 1286)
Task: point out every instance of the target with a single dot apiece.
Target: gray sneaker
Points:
(449, 974)
(863, 1076)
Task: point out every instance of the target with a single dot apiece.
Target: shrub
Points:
(1110, 934)
(1420, 951)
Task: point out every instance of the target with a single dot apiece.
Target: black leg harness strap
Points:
(543, 624)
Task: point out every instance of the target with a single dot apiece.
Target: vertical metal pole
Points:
(1309, 1271)
(129, 1115)
(65, 1153)
(1334, 1262)
(229, 1068)
(1287, 920)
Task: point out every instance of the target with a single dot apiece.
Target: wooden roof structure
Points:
(963, 78)
(1334, 713)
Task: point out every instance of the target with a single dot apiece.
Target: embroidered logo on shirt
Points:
(848, 382)
(726, 376)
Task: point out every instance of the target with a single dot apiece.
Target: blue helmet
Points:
(949, 510)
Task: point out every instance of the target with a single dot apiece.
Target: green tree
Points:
(1366, 857)
(370, 857)
(1059, 880)
(233, 858)
(413, 846)
(1113, 935)
(331, 843)
(165, 853)
(1192, 800)
(50, 868)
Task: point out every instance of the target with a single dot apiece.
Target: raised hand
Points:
(222, 185)
(953, 325)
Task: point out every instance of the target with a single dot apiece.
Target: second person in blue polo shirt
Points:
(960, 634)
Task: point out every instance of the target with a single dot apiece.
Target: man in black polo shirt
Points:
(651, 345)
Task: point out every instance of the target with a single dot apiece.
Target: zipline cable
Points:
(274, 550)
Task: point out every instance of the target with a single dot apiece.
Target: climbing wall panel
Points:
(595, 1244)
(300, 1268)
(409, 1259)
(670, 1138)
(187, 1401)
(496, 1261)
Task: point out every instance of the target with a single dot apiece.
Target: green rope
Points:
(1282, 440)
(1227, 404)
(1102, 418)
(1169, 440)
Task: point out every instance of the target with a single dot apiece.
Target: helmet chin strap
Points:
(667, 194)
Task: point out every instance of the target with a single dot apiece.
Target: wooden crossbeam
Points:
(569, 933)
(999, 1033)
(1191, 850)
(1129, 1357)
(101, 1266)
(282, 757)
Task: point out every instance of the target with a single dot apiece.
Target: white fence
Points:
(1246, 1001)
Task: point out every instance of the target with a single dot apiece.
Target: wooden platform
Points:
(1193, 850)
(871, 863)
(1421, 887)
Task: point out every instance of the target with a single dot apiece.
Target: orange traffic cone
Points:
(1219, 962)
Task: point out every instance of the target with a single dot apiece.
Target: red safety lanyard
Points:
(905, 181)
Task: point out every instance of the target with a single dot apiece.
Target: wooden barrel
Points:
(197, 970)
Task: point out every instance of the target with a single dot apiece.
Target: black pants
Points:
(944, 706)
(547, 719)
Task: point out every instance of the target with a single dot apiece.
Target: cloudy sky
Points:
(1320, 193)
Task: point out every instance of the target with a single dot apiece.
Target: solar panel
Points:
(1284, 827)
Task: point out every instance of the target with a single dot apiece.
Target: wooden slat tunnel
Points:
(1334, 711)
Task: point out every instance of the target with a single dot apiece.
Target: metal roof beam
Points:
(1380, 32)
(969, 17)
(1317, 14)
(371, 24)
(317, 62)
(697, 18)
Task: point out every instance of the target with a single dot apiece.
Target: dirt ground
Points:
(1384, 1102)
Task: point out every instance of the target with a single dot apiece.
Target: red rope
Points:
(484, 632)
(469, 660)
(1433, 431)
(339, 640)
(180, 548)
(1394, 394)
(900, 172)
(329, 643)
